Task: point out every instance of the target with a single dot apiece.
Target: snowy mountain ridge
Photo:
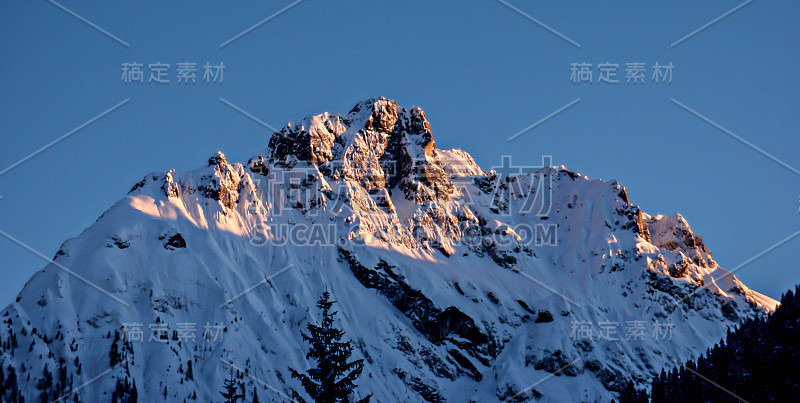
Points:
(454, 283)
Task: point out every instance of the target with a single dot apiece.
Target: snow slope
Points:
(454, 283)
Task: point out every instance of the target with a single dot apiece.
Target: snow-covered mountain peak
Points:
(455, 283)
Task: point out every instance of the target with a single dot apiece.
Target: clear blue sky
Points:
(481, 72)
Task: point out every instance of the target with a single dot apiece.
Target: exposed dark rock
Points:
(573, 175)
(453, 321)
(170, 188)
(729, 309)
(466, 364)
(174, 242)
(437, 364)
(612, 379)
(544, 317)
(525, 306)
(138, 185)
(427, 392)
(499, 256)
(593, 365)
(258, 165)
(508, 394)
(678, 269)
(634, 220)
(295, 141)
(555, 363)
(435, 323)
(486, 183)
(217, 159)
(155, 177)
(667, 286)
(382, 198)
(623, 194)
(119, 242)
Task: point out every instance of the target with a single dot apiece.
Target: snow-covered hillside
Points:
(454, 283)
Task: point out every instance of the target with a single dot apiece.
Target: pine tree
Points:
(333, 379)
(230, 389)
(759, 361)
(113, 354)
(632, 395)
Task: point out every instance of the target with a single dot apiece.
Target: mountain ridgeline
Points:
(453, 283)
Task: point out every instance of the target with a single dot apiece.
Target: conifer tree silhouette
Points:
(229, 391)
(333, 378)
